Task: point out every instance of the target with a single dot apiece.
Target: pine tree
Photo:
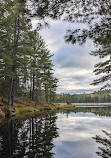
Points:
(16, 23)
(24, 58)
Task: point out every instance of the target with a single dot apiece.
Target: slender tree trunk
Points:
(13, 94)
(15, 42)
(50, 96)
(30, 88)
(39, 98)
(30, 94)
(46, 89)
(33, 91)
(46, 94)
(9, 95)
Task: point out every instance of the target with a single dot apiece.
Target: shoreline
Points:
(89, 104)
(30, 109)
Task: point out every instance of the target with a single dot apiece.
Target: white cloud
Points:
(75, 134)
(73, 64)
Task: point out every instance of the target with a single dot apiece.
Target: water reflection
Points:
(76, 129)
(101, 111)
(105, 148)
(68, 134)
(32, 138)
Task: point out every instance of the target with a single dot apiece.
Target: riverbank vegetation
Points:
(26, 107)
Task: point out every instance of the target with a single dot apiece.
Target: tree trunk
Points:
(13, 94)
(39, 98)
(30, 88)
(9, 96)
(15, 42)
(46, 94)
(33, 91)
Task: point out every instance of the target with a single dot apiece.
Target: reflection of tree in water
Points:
(105, 141)
(32, 138)
(101, 111)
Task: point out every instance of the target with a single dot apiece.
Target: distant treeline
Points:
(96, 97)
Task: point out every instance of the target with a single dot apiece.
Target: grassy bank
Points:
(27, 110)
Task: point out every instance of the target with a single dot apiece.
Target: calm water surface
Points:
(80, 133)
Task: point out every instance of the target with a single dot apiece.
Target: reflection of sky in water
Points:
(76, 132)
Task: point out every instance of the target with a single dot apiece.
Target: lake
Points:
(79, 133)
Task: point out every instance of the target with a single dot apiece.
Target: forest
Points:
(101, 96)
(26, 66)
(33, 121)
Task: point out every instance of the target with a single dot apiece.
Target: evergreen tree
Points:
(24, 58)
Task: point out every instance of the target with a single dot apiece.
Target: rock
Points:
(13, 114)
(1, 114)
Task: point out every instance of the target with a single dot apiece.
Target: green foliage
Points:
(96, 97)
(24, 58)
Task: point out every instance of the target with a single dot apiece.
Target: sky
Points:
(73, 64)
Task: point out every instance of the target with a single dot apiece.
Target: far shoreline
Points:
(88, 104)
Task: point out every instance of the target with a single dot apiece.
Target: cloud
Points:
(73, 63)
(75, 134)
(73, 80)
